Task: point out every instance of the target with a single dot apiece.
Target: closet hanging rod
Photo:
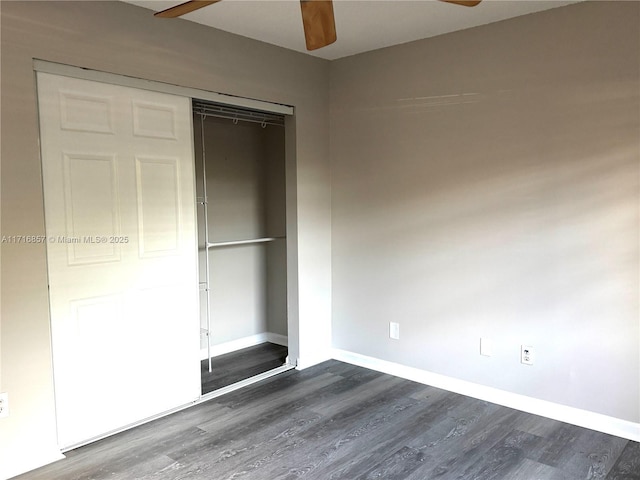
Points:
(243, 242)
(233, 243)
(237, 114)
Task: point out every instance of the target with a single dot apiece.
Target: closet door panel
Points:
(122, 259)
(158, 194)
(91, 205)
(154, 120)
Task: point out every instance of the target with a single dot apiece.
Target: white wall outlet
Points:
(394, 330)
(485, 347)
(526, 354)
(4, 405)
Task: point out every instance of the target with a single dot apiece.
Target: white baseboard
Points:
(562, 413)
(306, 361)
(14, 466)
(245, 342)
(278, 339)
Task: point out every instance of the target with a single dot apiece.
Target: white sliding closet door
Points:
(122, 253)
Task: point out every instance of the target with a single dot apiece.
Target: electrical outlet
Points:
(4, 405)
(526, 354)
(394, 330)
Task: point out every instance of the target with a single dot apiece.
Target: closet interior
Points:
(241, 199)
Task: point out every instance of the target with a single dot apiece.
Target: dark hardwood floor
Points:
(236, 366)
(337, 421)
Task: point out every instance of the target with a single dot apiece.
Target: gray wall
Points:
(485, 184)
(124, 39)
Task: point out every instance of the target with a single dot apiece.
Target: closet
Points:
(241, 205)
(146, 193)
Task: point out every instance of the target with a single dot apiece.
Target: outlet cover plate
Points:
(394, 330)
(526, 354)
(485, 347)
(4, 405)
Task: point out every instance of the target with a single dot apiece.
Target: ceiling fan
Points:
(317, 17)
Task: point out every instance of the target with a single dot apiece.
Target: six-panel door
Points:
(120, 224)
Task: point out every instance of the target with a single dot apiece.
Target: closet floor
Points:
(242, 364)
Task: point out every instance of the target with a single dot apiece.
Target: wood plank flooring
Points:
(336, 421)
(236, 366)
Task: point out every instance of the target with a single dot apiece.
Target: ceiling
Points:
(362, 25)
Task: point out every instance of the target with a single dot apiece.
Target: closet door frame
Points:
(291, 190)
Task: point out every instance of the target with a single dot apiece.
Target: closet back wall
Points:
(124, 39)
(246, 200)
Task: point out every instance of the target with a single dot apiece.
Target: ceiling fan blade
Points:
(465, 3)
(184, 8)
(318, 22)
